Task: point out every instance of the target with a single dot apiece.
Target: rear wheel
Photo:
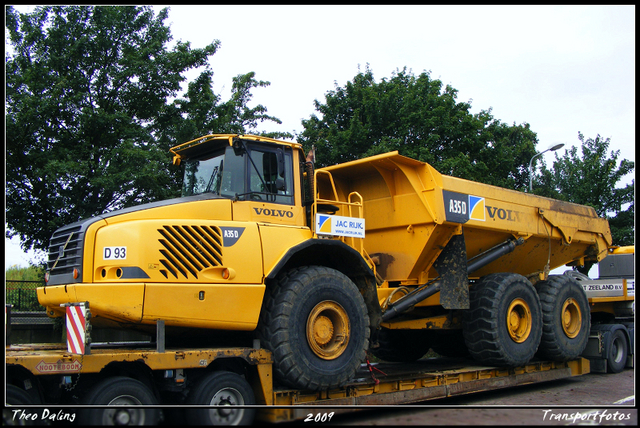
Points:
(617, 353)
(504, 324)
(119, 391)
(16, 397)
(566, 318)
(224, 390)
(316, 324)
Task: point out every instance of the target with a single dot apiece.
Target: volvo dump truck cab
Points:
(382, 255)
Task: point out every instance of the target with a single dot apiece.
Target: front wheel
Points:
(315, 322)
(119, 391)
(224, 391)
(504, 323)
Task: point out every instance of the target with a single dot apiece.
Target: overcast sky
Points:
(562, 69)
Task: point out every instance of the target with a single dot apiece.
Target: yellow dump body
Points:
(411, 211)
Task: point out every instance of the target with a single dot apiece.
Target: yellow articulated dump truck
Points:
(382, 255)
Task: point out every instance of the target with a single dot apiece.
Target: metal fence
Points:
(22, 296)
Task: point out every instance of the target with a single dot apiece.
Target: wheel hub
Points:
(519, 320)
(322, 330)
(226, 412)
(126, 416)
(328, 330)
(571, 318)
(122, 418)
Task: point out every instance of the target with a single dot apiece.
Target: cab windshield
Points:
(249, 173)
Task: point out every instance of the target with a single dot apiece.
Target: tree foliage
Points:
(89, 117)
(19, 273)
(590, 178)
(421, 119)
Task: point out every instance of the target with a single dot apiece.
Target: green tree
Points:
(202, 112)
(421, 119)
(590, 178)
(18, 273)
(88, 115)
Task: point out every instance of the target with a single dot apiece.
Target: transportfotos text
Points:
(597, 416)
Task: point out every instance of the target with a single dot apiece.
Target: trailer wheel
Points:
(401, 346)
(566, 318)
(224, 390)
(119, 391)
(316, 324)
(16, 397)
(504, 323)
(617, 353)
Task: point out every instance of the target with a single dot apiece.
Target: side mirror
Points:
(238, 147)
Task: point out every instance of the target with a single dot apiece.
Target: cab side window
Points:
(265, 182)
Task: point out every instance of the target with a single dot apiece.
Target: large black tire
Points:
(566, 318)
(224, 390)
(401, 346)
(17, 397)
(316, 324)
(504, 323)
(617, 352)
(119, 391)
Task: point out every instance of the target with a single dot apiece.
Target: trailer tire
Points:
(16, 396)
(224, 389)
(401, 346)
(566, 318)
(617, 352)
(119, 391)
(315, 322)
(504, 323)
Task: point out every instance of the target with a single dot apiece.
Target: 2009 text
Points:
(319, 417)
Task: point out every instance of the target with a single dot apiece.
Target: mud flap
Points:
(452, 268)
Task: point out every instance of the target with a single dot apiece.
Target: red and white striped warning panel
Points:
(76, 323)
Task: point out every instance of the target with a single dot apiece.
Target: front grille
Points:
(187, 250)
(65, 254)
